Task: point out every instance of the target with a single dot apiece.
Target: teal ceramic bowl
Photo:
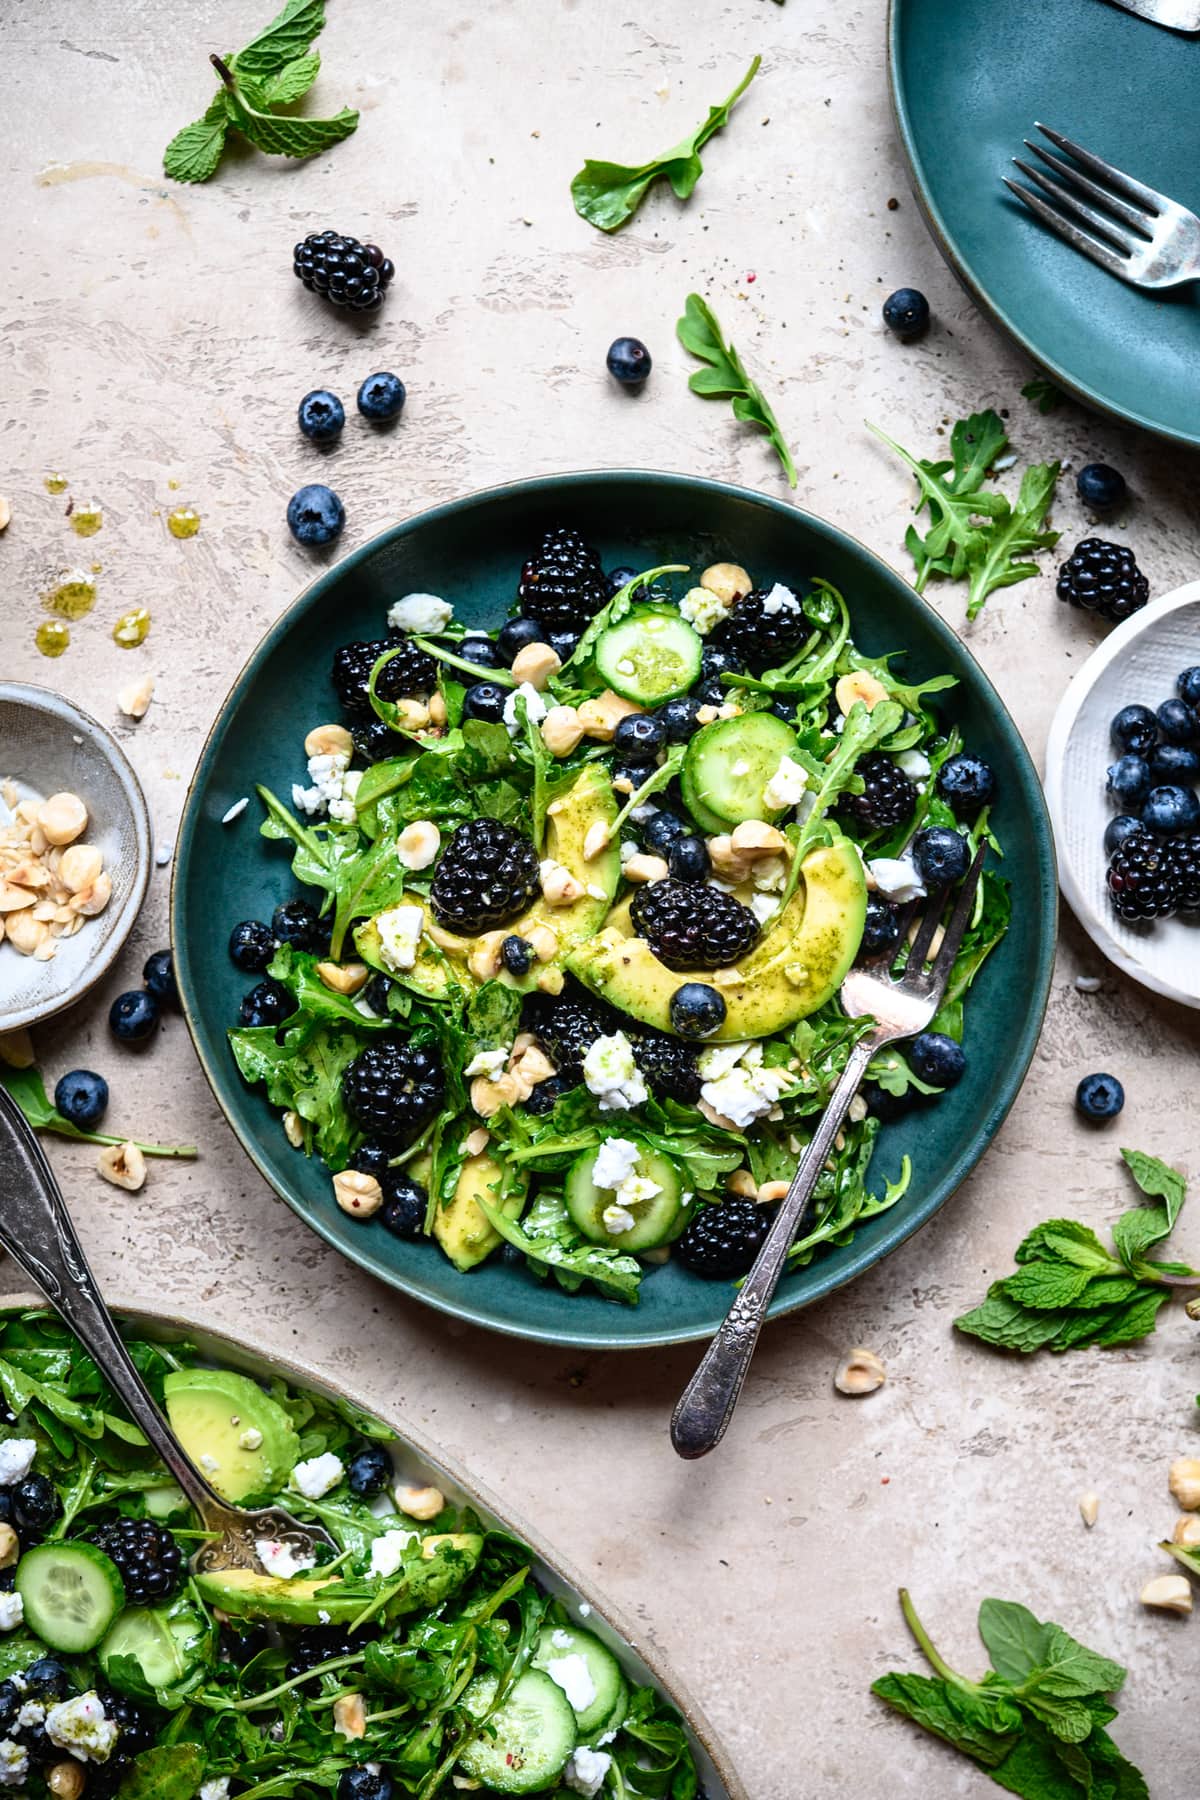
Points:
(969, 80)
(470, 551)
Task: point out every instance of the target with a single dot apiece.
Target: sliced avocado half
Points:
(311, 1600)
(217, 1415)
(460, 1227)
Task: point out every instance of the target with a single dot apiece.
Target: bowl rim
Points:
(827, 1277)
(1115, 645)
(48, 700)
(443, 1462)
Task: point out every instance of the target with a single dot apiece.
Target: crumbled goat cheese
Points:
(387, 1552)
(328, 774)
(615, 1161)
(628, 852)
(913, 764)
(703, 610)
(535, 707)
(316, 1476)
(251, 1439)
(487, 1062)
(14, 1763)
(12, 1611)
(896, 876)
(645, 811)
(780, 599)
(560, 1639)
(746, 1090)
(572, 1675)
(236, 810)
(764, 907)
(714, 1061)
(770, 874)
(786, 785)
(616, 1219)
(16, 1459)
(278, 1560)
(344, 811)
(400, 929)
(635, 1190)
(612, 1075)
(215, 1790)
(585, 1772)
(423, 613)
(81, 1726)
(32, 1713)
(209, 1464)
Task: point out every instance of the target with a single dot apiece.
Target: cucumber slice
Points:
(72, 1593)
(651, 655)
(166, 1643)
(527, 1742)
(656, 1221)
(728, 765)
(609, 1692)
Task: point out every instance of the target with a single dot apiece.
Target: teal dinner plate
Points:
(969, 78)
(471, 551)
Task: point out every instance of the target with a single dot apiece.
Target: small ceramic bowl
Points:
(48, 746)
(1136, 663)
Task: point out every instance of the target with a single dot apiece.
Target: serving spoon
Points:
(36, 1230)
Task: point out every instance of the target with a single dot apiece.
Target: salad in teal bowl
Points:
(562, 864)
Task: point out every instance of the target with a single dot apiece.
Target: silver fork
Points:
(36, 1230)
(1135, 232)
(900, 1006)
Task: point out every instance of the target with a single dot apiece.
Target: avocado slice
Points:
(211, 1411)
(460, 1227)
(442, 958)
(309, 1600)
(798, 965)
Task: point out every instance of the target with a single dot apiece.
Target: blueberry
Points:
(1135, 728)
(158, 973)
(660, 830)
(941, 856)
(481, 651)
(514, 636)
(1129, 778)
(1174, 762)
(936, 1058)
(628, 361)
(405, 1203)
(516, 953)
(1099, 1097)
(884, 1105)
(295, 922)
(46, 1679)
(369, 1471)
(697, 1010)
(10, 1704)
(485, 700)
(372, 1158)
(1187, 686)
(1168, 809)
(315, 515)
(81, 1097)
(710, 691)
(381, 397)
(251, 945)
(881, 929)
(374, 740)
(267, 1004)
(785, 710)
(321, 415)
(545, 1095)
(376, 993)
(906, 312)
(638, 737)
(688, 859)
(362, 1783)
(1100, 487)
(563, 643)
(1178, 723)
(616, 579)
(35, 1504)
(967, 784)
(1117, 830)
(714, 661)
(678, 719)
(133, 1016)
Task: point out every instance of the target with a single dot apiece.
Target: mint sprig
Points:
(726, 378)
(274, 70)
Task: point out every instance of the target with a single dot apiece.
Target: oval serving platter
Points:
(470, 551)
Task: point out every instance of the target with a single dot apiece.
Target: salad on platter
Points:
(581, 895)
(419, 1658)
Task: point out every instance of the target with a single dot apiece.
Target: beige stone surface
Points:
(152, 335)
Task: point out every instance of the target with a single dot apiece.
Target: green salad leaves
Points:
(726, 377)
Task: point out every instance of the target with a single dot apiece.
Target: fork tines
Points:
(1118, 211)
(955, 928)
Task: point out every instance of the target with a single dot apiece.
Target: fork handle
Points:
(37, 1232)
(706, 1405)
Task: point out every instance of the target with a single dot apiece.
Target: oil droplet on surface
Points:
(131, 628)
(73, 595)
(52, 637)
(183, 522)
(173, 485)
(87, 519)
(96, 568)
(55, 483)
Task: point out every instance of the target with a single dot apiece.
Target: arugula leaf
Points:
(726, 377)
(1043, 394)
(1016, 530)
(305, 1077)
(550, 1241)
(28, 1089)
(168, 1772)
(607, 194)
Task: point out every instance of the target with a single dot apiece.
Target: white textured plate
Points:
(1138, 662)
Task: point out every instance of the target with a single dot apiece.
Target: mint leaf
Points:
(1044, 395)
(1016, 1642)
(726, 377)
(607, 194)
(928, 1703)
(1047, 1285)
(194, 152)
(1014, 532)
(287, 84)
(1159, 1180)
(1006, 1325)
(280, 134)
(287, 36)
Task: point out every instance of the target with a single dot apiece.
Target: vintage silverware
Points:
(1176, 15)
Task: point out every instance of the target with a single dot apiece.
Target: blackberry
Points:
(1182, 856)
(411, 671)
(105, 1779)
(139, 1727)
(374, 740)
(723, 1240)
(316, 1644)
(149, 1560)
(376, 993)
(888, 797)
(343, 271)
(562, 584)
(1103, 578)
(391, 1088)
(691, 927)
(762, 638)
(669, 1067)
(1141, 880)
(566, 1026)
(487, 874)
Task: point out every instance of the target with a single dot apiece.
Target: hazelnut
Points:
(293, 1129)
(1169, 1593)
(66, 1780)
(5, 513)
(484, 960)
(62, 818)
(488, 1096)
(25, 933)
(771, 1191)
(350, 1716)
(859, 686)
(1186, 1530)
(601, 715)
(357, 1194)
(728, 581)
(535, 664)
(79, 867)
(123, 1165)
(860, 1372)
(420, 1502)
(754, 839)
(596, 840)
(10, 1546)
(544, 941)
(477, 1141)
(412, 715)
(14, 898)
(550, 981)
(417, 845)
(437, 709)
(742, 1182)
(562, 730)
(135, 697)
(1184, 1483)
(329, 740)
(94, 899)
(343, 978)
(642, 868)
(534, 1066)
(1089, 1509)
(16, 1047)
(559, 886)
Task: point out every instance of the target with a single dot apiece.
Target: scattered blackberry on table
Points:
(906, 314)
(251, 945)
(1118, 829)
(1100, 487)
(369, 1471)
(1178, 722)
(35, 1505)
(697, 1010)
(723, 1240)
(566, 1026)
(148, 1558)
(134, 1016)
(936, 1058)
(269, 1003)
(762, 639)
(881, 929)
(411, 671)
(393, 1087)
(321, 416)
(374, 740)
(1128, 778)
(628, 361)
(688, 859)
(1103, 578)
(941, 856)
(342, 270)
(158, 974)
(315, 515)
(1099, 1097)
(692, 927)
(967, 784)
(1169, 809)
(669, 1067)
(81, 1096)
(1183, 866)
(405, 1203)
(381, 397)
(562, 584)
(1135, 728)
(487, 874)
(888, 797)
(1140, 880)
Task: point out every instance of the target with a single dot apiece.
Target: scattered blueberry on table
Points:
(1100, 487)
(1099, 1097)
(134, 1016)
(81, 1096)
(381, 397)
(628, 361)
(158, 974)
(906, 313)
(321, 416)
(315, 515)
